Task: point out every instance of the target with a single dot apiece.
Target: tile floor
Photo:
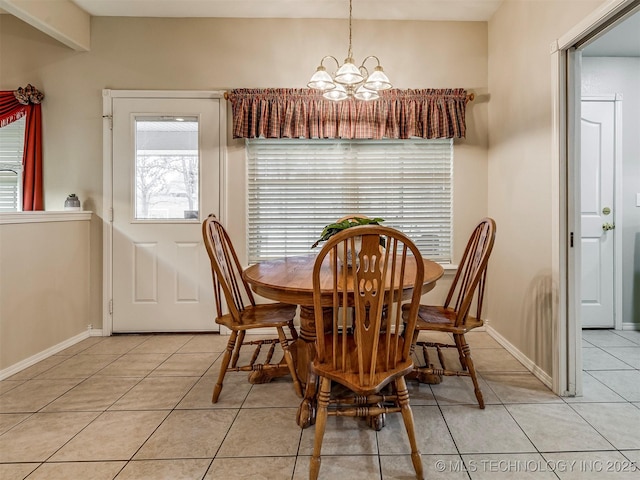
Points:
(138, 407)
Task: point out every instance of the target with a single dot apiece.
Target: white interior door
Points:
(597, 213)
(166, 163)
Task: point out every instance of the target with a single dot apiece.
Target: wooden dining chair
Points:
(456, 316)
(373, 353)
(243, 312)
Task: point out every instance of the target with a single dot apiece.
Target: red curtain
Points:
(13, 106)
(304, 113)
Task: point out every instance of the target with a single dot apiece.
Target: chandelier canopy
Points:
(350, 80)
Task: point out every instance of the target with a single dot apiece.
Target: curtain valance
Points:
(304, 113)
(15, 104)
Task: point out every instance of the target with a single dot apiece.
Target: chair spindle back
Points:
(372, 283)
(225, 269)
(470, 278)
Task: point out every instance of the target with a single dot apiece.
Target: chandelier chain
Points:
(350, 55)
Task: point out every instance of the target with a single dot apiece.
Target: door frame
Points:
(107, 177)
(566, 97)
(616, 99)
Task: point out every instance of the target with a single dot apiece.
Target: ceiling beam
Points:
(61, 20)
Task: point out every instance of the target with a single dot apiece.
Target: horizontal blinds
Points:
(8, 191)
(296, 187)
(11, 148)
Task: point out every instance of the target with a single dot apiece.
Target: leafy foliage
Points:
(333, 228)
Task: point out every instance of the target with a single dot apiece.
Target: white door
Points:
(166, 162)
(597, 213)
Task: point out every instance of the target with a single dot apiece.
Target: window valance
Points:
(304, 113)
(15, 104)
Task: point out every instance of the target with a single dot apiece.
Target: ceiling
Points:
(456, 10)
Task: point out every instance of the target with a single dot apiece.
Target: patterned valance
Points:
(304, 113)
(14, 103)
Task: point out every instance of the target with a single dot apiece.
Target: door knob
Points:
(608, 226)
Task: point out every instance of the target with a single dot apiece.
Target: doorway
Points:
(165, 162)
(567, 371)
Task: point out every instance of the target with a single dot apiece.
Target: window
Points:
(11, 148)
(296, 187)
(167, 166)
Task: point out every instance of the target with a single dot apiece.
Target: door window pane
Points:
(167, 168)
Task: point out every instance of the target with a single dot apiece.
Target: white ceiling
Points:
(459, 10)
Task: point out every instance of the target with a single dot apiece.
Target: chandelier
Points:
(349, 80)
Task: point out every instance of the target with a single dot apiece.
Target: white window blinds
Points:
(296, 187)
(11, 148)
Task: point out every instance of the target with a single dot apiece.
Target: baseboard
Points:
(630, 326)
(27, 362)
(540, 374)
(95, 332)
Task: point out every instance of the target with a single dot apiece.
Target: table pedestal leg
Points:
(302, 349)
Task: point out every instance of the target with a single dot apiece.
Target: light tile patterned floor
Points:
(139, 407)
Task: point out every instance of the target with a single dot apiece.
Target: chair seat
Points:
(350, 377)
(260, 316)
(442, 319)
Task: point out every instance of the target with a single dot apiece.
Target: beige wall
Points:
(200, 54)
(44, 286)
(521, 291)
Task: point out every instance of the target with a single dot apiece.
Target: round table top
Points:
(289, 279)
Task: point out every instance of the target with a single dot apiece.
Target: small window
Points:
(11, 151)
(296, 187)
(167, 168)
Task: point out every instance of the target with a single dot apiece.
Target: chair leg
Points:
(459, 340)
(289, 359)
(223, 367)
(307, 411)
(425, 355)
(292, 330)
(407, 416)
(236, 353)
(414, 340)
(321, 423)
(465, 352)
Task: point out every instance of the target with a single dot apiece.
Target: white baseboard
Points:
(95, 332)
(540, 374)
(630, 326)
(27, 362)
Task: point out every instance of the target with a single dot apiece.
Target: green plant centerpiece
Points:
(333, 228)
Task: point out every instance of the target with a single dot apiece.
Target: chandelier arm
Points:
(371, 56)
(331, 57)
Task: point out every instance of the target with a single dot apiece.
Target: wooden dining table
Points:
(289, 280)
